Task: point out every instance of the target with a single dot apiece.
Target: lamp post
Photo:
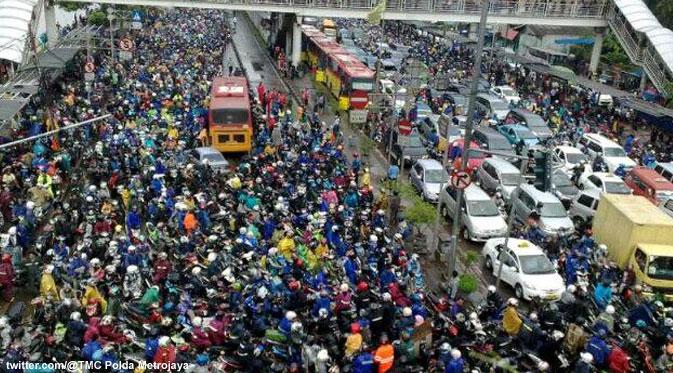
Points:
(111, 17)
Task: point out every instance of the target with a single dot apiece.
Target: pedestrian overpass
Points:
(647, 43)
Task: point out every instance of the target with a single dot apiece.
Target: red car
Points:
(649, 184)
(456, 152)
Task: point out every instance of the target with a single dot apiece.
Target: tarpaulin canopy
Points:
(573, 41)
(15, 16)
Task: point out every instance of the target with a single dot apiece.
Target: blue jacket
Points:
(602, 295)
(90, 348)
(599, 349)
(455, 366)
(363, 363)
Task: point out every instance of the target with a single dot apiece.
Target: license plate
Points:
(551, 297)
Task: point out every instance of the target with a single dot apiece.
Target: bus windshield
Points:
(229, 116)
(660, 267)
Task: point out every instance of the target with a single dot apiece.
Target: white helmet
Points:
(603, 247)
(343, 287)
(406, 312)
(455, 353)
(491, 288)
(386, 297)
(92, 188)
(196, 271)
(164, 341)
(610, 309)
(571, 288)
(12, 231)
(290, 315)
(373, 238)
(323, 355)
(587, 357)
(95, 262)
(513, 302)
(132, 269)
(3, 321)
(132, 248)
(262, 292)
(533, 316)
(212, 257)
(197, 321)
(75, 316)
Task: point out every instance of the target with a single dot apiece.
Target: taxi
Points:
(525, 267)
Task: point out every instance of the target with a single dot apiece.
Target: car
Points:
(496, 174)
(515, 133)
(583, 207)
(213, 157)
(428, 124)
(491, 139)
(491, 106)
(534, 122)
(422, 111)
(605, 100)
(603, 182)
(525, 267)
(650, 184)
(427, 176)
(611, 152)
(506, 93)
(665, 170)
(456, 151)
(566, 158)
(407, 148)
(554, 219)
(667, 206)
(481, 217)
(563, 187)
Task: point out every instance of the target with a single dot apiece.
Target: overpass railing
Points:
(595, 9)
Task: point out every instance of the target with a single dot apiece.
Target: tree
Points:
(97, 18)
(663, 10)
(72, 6)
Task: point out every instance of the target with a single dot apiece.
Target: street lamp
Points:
(111, 17)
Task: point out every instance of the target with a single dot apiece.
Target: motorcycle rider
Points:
(7, 278)
(511, 322)
(133, 282)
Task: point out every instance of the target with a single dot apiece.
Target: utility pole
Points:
(438, 216)
(476, 74)
(111, 17)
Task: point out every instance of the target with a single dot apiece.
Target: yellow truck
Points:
(636, 232)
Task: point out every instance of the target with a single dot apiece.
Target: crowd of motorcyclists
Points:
(288, 262)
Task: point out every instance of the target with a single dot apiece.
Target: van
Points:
(492, 140)
(554, 219)
(534, 122)
(649, 184)
(665, 170)
(583, 207)
(481, 217)
(613, 154)
(496, 174)
(492, 106)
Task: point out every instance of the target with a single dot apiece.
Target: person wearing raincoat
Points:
(286, 246)
(91, 292)
(48, 285)
(511, 322)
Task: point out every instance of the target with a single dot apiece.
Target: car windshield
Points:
(575, 158)
(476, 154)
(499, 105)
(508, 92)
(510, 179)
(436, 176)
(617, 187)
(559, 179)
(414, 142)
(536, 265)
(553, 210)
(212, 157)
(660, 267)
(663, 195)
(482, 208)
(525, 134)
(614, 152)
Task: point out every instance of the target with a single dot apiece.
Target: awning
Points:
(15, 16)
(511, 34)
(56, 58)
(581, 41)
(9, 108)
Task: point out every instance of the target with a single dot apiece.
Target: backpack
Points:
(618, 361)
(575, 338)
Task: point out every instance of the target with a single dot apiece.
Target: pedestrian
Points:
(395, 203)
(452, 289)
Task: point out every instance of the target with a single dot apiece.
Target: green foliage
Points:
(98, 18)
(420, 213)
(71, 6)
(470, 258)
(366, 145)
(663, 10)
(467, 284)
(613, 54)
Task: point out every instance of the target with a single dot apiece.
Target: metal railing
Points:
(625, 37)
(587, 9)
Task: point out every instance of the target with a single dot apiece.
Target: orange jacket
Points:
(190, 222)
(384, 357)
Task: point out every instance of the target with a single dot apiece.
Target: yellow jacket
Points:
(48, 286)
(366, 180)
(353, 344)
(91, 292)
(511, 321)
(286, 247)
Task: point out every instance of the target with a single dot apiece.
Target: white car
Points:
(427, 176)
(213, 157)
(566, 158)
(507, 93)
(603, 182)
(525, 267)
(480, 215)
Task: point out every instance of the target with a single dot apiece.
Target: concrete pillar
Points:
(643, 81)
(50, 22)
(473, 31)
(596, 51)
(296, 42)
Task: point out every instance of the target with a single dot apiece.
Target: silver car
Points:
(554, 219)
(427, 176)
(481, 217)
(496, 174)
(213, 157)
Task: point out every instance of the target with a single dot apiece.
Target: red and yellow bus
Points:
(349, 80)
(229, 116)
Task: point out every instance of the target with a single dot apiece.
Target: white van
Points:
(612, 153)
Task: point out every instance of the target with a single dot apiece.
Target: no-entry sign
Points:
(126, 44)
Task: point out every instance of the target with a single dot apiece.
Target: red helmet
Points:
(6, 258)
(355, 328)
(294, 285)
(362, 286)
(300, 263)
(50, 340)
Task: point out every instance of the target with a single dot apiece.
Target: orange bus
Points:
(229, 116)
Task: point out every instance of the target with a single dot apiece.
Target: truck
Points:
(637, 233)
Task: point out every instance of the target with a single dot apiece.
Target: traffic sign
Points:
(126, 44)
(460, 179)
(136, 20)
(404, 127)
(89, 67)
